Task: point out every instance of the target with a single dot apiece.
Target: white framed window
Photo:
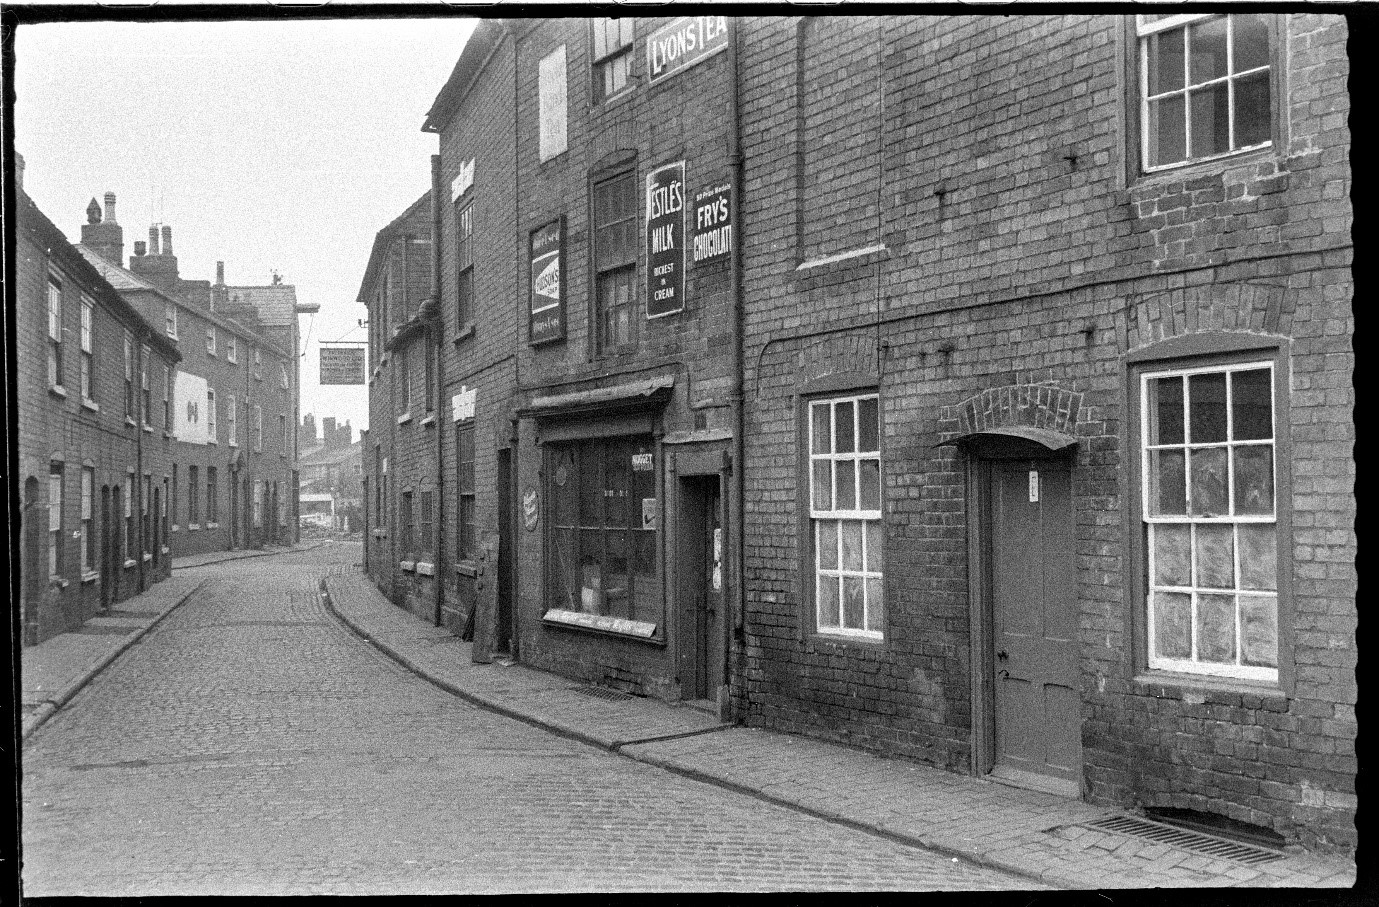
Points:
(88, 538)
(258, 428)
(1208, 502)
(170, 320)
(131, 538)
(147, 397)
(55, 521)
(128, 376)
(612, 56)
(88, 320)
(144, 512)
(210, 416)
(232, 420)
(258, 363)
(54, 333)
(282, 377)
(845, 515)
(231, 353)
(167, 397)
(210, 340)
(258, 503)
(1204, 86)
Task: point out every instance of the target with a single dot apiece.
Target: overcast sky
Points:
(267, 145)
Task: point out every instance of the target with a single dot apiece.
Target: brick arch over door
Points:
(1228, 307)
(1035, 405)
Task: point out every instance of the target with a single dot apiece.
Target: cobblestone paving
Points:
(250, 745)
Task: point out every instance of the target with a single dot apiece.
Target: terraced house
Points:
(976, 391)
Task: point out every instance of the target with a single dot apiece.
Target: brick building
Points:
(92, 453)
(1049, 433)
(232, 401)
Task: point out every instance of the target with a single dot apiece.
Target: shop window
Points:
(1204, 86)
(615, 262)
(1209, 507)
(467, 545)
(846, 532)
(603, 527)
(612, 56)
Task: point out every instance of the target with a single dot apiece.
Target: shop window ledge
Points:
(620, 626)
(130, 562)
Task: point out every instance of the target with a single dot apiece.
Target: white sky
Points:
(267, 145)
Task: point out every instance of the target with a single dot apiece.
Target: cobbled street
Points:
(252, 745)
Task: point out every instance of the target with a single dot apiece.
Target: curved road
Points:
(251, 745)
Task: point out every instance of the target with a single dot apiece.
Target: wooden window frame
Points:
(605, 63)
(621, 263)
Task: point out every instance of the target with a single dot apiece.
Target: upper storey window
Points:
(1205, 86)
(615, 262)
(612, 56)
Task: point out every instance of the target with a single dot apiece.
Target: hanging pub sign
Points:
(681, 44)
(547, 320)
(713, 227)
(343, 365)
(665, 240)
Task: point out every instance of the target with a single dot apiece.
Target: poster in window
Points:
(665, 240)
(547, 321)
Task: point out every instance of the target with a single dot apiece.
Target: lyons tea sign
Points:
(683, 43)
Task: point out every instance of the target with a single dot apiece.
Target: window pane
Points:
(828, 601)
(867, 425)
(1251, 406)
(1210, 120)
(827, 553)
(1165, 55)
(1208, 467)
(1251, 40)
(823, 485)
(1208, 50)
(1215, 556)
(876, 610)
(1259, 630)
(869, 488)
(843, 428)
(847, 485)
(1172, 624)
(876, 555)
(601, 28)
(852, 602)
(1172, 557)
(1216, 628)
(1208, 395)
(1166, 411)
(1258, 556)
(1252, 110)
(1167, 131)
(616, 582)
(1254, 479)
(1167, 482)
(852, 544)
(819, 417)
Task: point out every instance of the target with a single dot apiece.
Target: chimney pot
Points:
(153, 240)
(110, 208)
(139, 248)
(167, 240)
(220, 273)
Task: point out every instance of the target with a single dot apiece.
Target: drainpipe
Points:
(736, 494)
(436, 330)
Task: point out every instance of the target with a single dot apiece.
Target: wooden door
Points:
(502, 641)
(1038, 700)
(700, 592)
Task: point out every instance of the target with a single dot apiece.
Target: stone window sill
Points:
(426, 569)
(409, 566)
(429, 420)
(404, 418)
(164, 549)
(192, 527)
(212, 525)
(465, 331)
(88, 403)
(147, 557)
(232, 443)
(174, 528)
(1166, 685)
(469, 568)
(129, 420)
(57, 390)
(380, 533)
(130, 562)
(90, 577)
(213, 441)
(57, 581)
(148, 429)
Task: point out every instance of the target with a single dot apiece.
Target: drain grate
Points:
(594, 692)
(1187, 840)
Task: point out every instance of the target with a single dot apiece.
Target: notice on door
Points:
(717, 559)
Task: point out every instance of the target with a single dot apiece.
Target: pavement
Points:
(1042, 837)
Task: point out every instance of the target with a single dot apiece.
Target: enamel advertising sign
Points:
(547, 300)
(683, 43)
(665, 240)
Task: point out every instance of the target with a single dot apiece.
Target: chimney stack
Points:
(167, 240)
(139, 247)
(220, 273)
(153, 240)
(158, 265)
(110, 208)
(105, 239)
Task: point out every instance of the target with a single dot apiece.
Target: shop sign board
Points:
(682, 43)
(713, 227)
(547, 321)
(665, 240)
(343, 365)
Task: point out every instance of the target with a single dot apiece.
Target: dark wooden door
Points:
(234, 513)
(702, 639)
(503, 631)
(1038, 700)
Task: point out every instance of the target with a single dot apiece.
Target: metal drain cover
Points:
(1187, 840)
(594, 692)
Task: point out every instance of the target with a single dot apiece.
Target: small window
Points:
(231, 353)
(146, 394)
(615, 262)
(210, 416)
(193, 493)
(1205, 86)
(88, 537)
(232, 421)
(466, 547)
(258, 428)
(167, 397)
(282, 430)
(210, 340)
(212, 499)
(408, 530)
(170, 320)
(131, 537)
(612, 57)
(845, 515)
(88, 361)
(258, 363)
(424, 545)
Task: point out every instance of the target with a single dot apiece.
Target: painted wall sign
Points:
(530, 509)
(547, 321)
(665, 240)
(462, 404)
(552, 103)
(343, 365)
(188, 401)
(713, 228)
(460, 185)
(684, 42)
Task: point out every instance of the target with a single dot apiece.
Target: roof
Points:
(330, 456)
(477, 49)
(76, 260)
(380, 244)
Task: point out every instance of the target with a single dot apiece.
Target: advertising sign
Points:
(665, 240)
(551, 103)
(189, 408)
(462, 404)
(547, 271)
(683, 43)
(343, 365)
(713, 228)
